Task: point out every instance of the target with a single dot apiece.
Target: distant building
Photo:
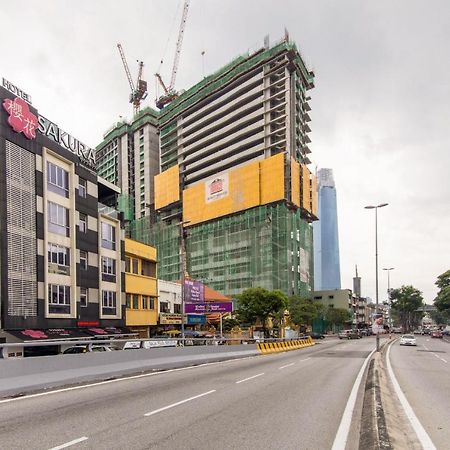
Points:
(327, 272)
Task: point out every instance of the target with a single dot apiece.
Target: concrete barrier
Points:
(276, 347)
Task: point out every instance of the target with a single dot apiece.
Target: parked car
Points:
(343, 334)
(408, 339)
(436, 334)
(86, 349)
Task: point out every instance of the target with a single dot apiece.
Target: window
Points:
(135, 266)
(82, 223)
(58, 299)
(83, 260)
(127, 264)
(177, 308)
(108, 236)
(135, 301)
(83, 297)
(109, 303)
(58, 259)
(164, 307)
(108, 269)
(148, 268)
(128, 301)
(58, 219)
(152, 303)
(82, 187)
(57, 179)
(144, 302)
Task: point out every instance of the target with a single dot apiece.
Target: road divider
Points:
(277, 347)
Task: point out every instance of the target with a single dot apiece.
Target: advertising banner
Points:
(196, 319)
(194, 291)
(216, 188)
(377, 323)
(205, 308)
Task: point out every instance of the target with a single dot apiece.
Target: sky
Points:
(380, 106)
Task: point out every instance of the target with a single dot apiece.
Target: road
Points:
(423, 373)
(292, 400)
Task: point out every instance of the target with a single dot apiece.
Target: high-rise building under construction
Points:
(234, 172)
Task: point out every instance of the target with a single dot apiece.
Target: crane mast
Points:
(169, 91)
(138, 91)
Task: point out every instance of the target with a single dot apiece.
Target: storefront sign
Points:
(196, 319)
(52, 131)
(16, 91)
(169, 319)
(205, 308)
(194, 291)
(216, 188)
(21, 119)
(88, 323)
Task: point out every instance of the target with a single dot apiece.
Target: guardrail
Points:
(265, 345)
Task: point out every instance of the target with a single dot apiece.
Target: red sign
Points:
(216, 186)
(21, 119)
(87, 323)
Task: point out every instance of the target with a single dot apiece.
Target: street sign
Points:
(205, 308)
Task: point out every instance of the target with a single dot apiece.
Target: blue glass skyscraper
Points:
(327, 270)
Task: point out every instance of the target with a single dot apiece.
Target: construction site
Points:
(221, 174)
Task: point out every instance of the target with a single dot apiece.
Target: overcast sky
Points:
(380, 108)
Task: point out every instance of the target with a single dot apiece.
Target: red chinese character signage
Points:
(21, 119)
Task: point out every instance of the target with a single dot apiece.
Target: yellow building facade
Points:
(141, 287)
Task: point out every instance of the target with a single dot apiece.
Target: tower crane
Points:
(138, 91)
(169, 91)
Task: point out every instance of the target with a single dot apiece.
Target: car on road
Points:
(408, 339)
(349, 334)
(436, 334)
(315, 335)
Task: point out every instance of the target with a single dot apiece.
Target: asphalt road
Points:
(423, 373)
(292, 400)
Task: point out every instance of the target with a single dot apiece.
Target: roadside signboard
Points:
(205, 308)
(194, 291)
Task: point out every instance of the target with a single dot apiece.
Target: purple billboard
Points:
(205, 308)
(194, 291)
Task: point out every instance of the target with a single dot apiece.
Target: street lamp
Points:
(388, 269)
(183, 271)
(376, 264)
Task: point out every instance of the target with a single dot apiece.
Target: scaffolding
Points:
(268, 246)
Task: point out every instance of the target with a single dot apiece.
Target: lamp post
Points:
(381, 205)
(388, 269)
(183, 271)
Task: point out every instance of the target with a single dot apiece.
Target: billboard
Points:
(216, 188)
(210, 307)
(167, 187)
(194, 291)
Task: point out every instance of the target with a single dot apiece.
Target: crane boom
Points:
(125, 65)
(176, 59)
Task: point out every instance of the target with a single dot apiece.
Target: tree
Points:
(259, 303)
(405, 303)
(442, 301)
(337, 316)
(302, 311)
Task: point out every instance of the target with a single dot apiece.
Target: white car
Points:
(408, 339)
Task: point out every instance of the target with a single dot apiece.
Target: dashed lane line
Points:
(250, 378)
(69, 444)
(156, 411)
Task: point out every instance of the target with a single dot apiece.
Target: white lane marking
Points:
(125, 378)
(425, 347)
(156, 411)
(250, 378)
(340, 441)
(422, 435)
(69, 444)
(287, 365)
(306, 359)
(438, 357)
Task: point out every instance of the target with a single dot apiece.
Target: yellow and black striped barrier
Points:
(276, 347)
